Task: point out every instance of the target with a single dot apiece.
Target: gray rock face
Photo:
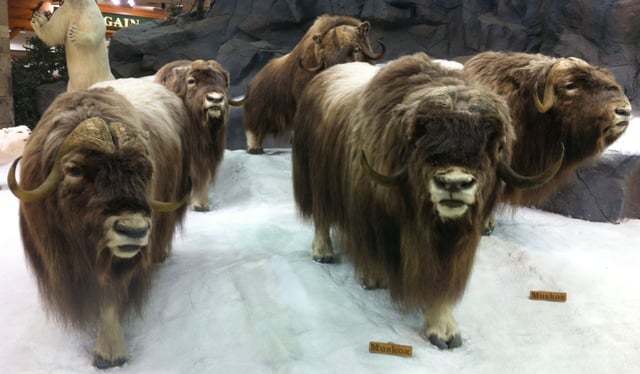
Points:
(244, 34)
(606, 191)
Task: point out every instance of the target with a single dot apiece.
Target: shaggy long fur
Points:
(78, 25)
(64, 234)
(207, 134)
(271, 96)
(411, 111)
(583, 117)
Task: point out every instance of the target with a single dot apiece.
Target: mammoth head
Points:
(93, 134)
(343, 43)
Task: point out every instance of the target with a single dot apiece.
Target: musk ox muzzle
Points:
(91, 134)
(127, 234)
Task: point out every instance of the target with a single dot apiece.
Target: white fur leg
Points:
(441, 328)
(110, 350)
(322, 248)
(254, 145)
(200, 201)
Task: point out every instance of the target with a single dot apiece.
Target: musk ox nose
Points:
(215, 99)
(454, 184)
(623, 111)
(128, 234)
(134, 230)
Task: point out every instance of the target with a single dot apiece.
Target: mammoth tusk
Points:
(313, 69)
(161, 206)
(379, 55)
(385, 180)
(513, 179)
(44, 190)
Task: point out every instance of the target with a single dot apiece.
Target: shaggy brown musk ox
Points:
(93, 174)
(203, 86)
(270, 100)
(553, 101)
(406, 162)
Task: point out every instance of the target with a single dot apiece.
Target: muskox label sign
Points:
(548, 296)
(391, 349)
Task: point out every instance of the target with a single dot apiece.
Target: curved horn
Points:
(240, 102)
(92, 133)
(379, 55)
(385, 180)
(549, 95)
(44, 190)
(314, 69)
(513, 179)
(161, 206)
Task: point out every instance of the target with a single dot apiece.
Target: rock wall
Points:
(244, 34)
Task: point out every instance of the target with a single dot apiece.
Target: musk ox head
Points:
(202, 85)
(100, 186)
(343, 43)
(459, 141)
(586, 98)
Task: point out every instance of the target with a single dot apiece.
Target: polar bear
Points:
(79, 26)
(12, 141)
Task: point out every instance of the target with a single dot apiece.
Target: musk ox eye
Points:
(74, 171)
(191, 81)
(570, 86)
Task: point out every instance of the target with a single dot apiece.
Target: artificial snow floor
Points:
(240, 294)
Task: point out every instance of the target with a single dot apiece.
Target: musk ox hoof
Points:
(201, 207)
(489, 226)
(324, 259)
(453, 342)
(102, 363)
(255, 151)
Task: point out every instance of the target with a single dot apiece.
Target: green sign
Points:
(115, 22)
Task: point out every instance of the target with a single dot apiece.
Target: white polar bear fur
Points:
(79, 26)
(12, 141)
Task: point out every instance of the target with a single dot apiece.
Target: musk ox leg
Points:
(254, 143)
(441, 328)
(110, 350)
(370, 280)
(200, 198)
(322, 248)
(489, 225)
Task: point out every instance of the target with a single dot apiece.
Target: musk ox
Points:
(103, 184)
(203, 86)
(271, 97)
(552, 101)
(406, 162)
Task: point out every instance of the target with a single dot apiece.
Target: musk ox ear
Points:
(363, 28)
